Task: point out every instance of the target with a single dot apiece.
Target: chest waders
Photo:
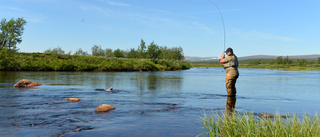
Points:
(231, 68)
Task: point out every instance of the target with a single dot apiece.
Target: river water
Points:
(167, 103)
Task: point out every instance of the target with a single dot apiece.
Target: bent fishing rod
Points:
(224, 30)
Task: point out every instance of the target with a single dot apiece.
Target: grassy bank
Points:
(11, 61)
(263, 65)
(206, 64)
(247, 125)
(290, 67)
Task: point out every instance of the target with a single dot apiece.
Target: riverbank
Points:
(58, 62)
(289, 67)
(247, 125)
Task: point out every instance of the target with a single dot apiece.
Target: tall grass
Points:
(230, 125)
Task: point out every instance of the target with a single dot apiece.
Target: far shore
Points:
(252, 65)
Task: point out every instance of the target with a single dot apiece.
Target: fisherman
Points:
(230, 64)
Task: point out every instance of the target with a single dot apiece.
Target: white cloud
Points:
(272, 36)
(35, 20)
(203, 27)
(113, 3)
(13, 9)
(262, 35)
(159, 11)
(104, 11)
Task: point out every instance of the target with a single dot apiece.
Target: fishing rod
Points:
(224, 30)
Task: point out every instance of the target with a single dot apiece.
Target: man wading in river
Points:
(230, 64)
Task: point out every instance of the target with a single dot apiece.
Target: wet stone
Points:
(26, 83)
(268, 115)
(73, 99)
(104, 108)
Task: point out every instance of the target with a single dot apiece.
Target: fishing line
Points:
(224, 30)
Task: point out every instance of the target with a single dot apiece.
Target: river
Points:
(169, 103)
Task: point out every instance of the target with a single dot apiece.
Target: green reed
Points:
(229, 125)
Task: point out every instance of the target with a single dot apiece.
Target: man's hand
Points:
(222, 57)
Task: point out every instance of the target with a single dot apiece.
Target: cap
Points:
(229, 49)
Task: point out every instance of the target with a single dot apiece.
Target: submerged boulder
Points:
(104, 108)
(26, 83)
(110, 89)
(73, 99)
(268, 115)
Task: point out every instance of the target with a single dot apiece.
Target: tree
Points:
(118, 53)
(11, 33)
(279, 60)
(165, 53)
(177, 53)
(98, 51)
(108, 52)
(153, 51)
(81, 52)
(302, 63)
(57, 50)
(132, 53)
(287, 60)
(142, 49)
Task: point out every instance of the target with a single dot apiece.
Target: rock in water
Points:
(73, 99)
(104, 108)
(110, 89)
(26, 83)
(268, 115)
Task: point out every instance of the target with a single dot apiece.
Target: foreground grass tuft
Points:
(229, 125)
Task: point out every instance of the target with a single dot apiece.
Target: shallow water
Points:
(147, 103)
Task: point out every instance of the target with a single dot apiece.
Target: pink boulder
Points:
(26, 83)
(104, 108)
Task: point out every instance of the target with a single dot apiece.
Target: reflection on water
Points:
(147, 103)
(150, 81)
(231, 104)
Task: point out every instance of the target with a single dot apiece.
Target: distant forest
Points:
(145, 58)
(152, 51)
(11, 34)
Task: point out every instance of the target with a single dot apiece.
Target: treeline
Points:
(11, 34)
(145, 58)
(286, 61)
(151, 51)
(281, 63)
(14, 61)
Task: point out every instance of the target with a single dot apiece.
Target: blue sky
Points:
(253, 27)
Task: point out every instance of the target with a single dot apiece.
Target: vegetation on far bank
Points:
(11, 61)
(247, 125)
(146, 58)
(281, 63)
